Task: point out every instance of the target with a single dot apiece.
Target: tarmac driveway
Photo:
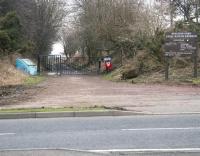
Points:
(81, 91)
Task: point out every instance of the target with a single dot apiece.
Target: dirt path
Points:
(80, 91)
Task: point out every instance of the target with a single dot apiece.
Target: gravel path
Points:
(81, 91)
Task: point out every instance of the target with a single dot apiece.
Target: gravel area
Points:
(86, 91)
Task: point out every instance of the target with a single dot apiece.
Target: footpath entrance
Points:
(68, 65)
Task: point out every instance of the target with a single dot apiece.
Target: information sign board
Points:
(180, 43)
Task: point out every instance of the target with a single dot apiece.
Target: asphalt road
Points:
(173, 133)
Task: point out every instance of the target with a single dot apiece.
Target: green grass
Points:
(114, 76)
(43, 109)
(108, 76)
(34, 80)
(196, 81)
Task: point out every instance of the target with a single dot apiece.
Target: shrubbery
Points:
(5, 40)
(11, 38)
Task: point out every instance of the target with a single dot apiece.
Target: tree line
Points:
(120, 26)
(89, 26)
(127, 26)
(29, 26)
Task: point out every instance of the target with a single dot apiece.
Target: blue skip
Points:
(26, 66)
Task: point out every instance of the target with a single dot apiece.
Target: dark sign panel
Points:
(180, 43)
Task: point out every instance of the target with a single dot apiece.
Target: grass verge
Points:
(196, 81)
(34, 80)
(64, 109)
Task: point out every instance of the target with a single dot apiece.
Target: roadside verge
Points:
(64, 114)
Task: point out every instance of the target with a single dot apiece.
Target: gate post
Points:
(195, 58)
(60, 65)
(38, 64)
(99, 69)
(166, 68)
(57, 61)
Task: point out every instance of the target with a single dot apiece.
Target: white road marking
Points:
(112, 150)
(148, 150)
(157, 129)
(2, 134)
(37, 149)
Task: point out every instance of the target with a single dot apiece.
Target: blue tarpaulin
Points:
(27, 66)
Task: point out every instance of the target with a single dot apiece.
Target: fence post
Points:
(99, 69)
(122, 51)
(56, 64)
(195, 58)
(38, 64)
(166, 68)
(60, 65)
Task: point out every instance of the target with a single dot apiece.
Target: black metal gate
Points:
(68, 65)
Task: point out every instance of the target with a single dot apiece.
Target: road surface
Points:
(104, 134)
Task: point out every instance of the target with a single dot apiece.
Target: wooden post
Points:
(195, 57)
(122, 51)
(166, 68)
(99, 69)
(38, 64)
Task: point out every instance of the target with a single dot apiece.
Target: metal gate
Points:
(68, 65)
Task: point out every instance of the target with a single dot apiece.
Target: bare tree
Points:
(103, 21)
(69, 38)
(49, 17)
(40, 20)
(188, 9)
(121, 26)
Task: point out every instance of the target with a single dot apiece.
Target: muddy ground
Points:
(15, 94)
(82, 91)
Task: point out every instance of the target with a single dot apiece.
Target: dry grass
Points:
(9, 75)
(180, 72)
(176, 76)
